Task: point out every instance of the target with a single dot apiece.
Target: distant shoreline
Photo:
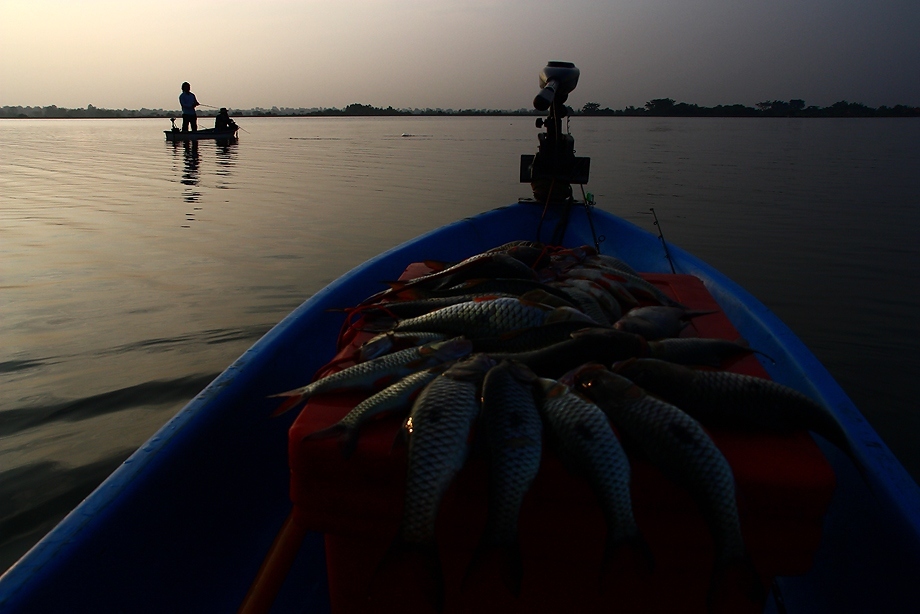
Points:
(659, 107)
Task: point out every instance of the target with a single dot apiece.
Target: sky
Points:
(455, 54)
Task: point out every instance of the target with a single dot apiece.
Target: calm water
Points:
(133, 270)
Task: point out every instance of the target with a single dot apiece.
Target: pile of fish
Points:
(526, 346)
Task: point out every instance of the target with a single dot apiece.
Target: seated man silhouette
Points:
(223, 121)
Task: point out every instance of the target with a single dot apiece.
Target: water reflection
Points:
(226, 160)
(188, 162)
(190, 172)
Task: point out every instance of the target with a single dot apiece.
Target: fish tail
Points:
(734, 581)
(436, 265)
(381, 324)
(336, 430)
(741, 341)
(832, 432)
(347, 436)
(409, 293)
(408, 578)
(695, 313)
(348, 439)
(293, 399)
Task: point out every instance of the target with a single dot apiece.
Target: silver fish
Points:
(439, 426)
(699, 351)
(722, 398)
(385, 369)
(678, 445)
(532, 339)
(612, 309)
(514, 433)
(637, 285)
(511, 287)
(385, 343)
(589, 445)
(657, 321)
(405, 309)
(601, 345)
(487, 264)
(610, 262)
(392, 398)
(608, 282)
(585, 302)
(489, 318)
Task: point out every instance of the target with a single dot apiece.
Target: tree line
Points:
(658, 107)
(668, 107)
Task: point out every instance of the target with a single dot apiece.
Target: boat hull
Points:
(207, 133)
(196, 508)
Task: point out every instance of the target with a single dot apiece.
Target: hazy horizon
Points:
(455, 55)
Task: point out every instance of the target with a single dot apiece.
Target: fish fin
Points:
(395, 286)
(436, 265)
(401, 438)
(289, 403)
(744, 343)
(409, 293)
(347, 437)
(410, 576)
(695, 313)
(734, 580)
(380, 324)
(336, 430)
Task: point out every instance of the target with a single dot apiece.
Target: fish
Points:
(587, 444)
(391, 399)
(374, 373)
(585, 302)
(533, 338)
(677, 444)
(531, 253)
(513, 432)
(726, 399)
(404, 309)
(700, 351)
(657, 321)
(612, 309)
(639, 286)
(605, 346)
(489, 318)
(438, 427)
(606, 281)
(487, 264)
(387, 342)
(609, 262)
(510, 287)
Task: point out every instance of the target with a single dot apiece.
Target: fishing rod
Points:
(218, 108)
(664, 244)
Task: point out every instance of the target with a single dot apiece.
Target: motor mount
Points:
(555, 167)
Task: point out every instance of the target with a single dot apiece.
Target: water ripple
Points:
(153, 393)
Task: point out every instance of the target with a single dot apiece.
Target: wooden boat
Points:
(198, 519)
(176, 135)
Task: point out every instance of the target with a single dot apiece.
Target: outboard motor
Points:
(555, 167)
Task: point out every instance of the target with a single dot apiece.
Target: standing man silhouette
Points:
(189, 102)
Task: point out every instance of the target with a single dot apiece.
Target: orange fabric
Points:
(784, 485)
